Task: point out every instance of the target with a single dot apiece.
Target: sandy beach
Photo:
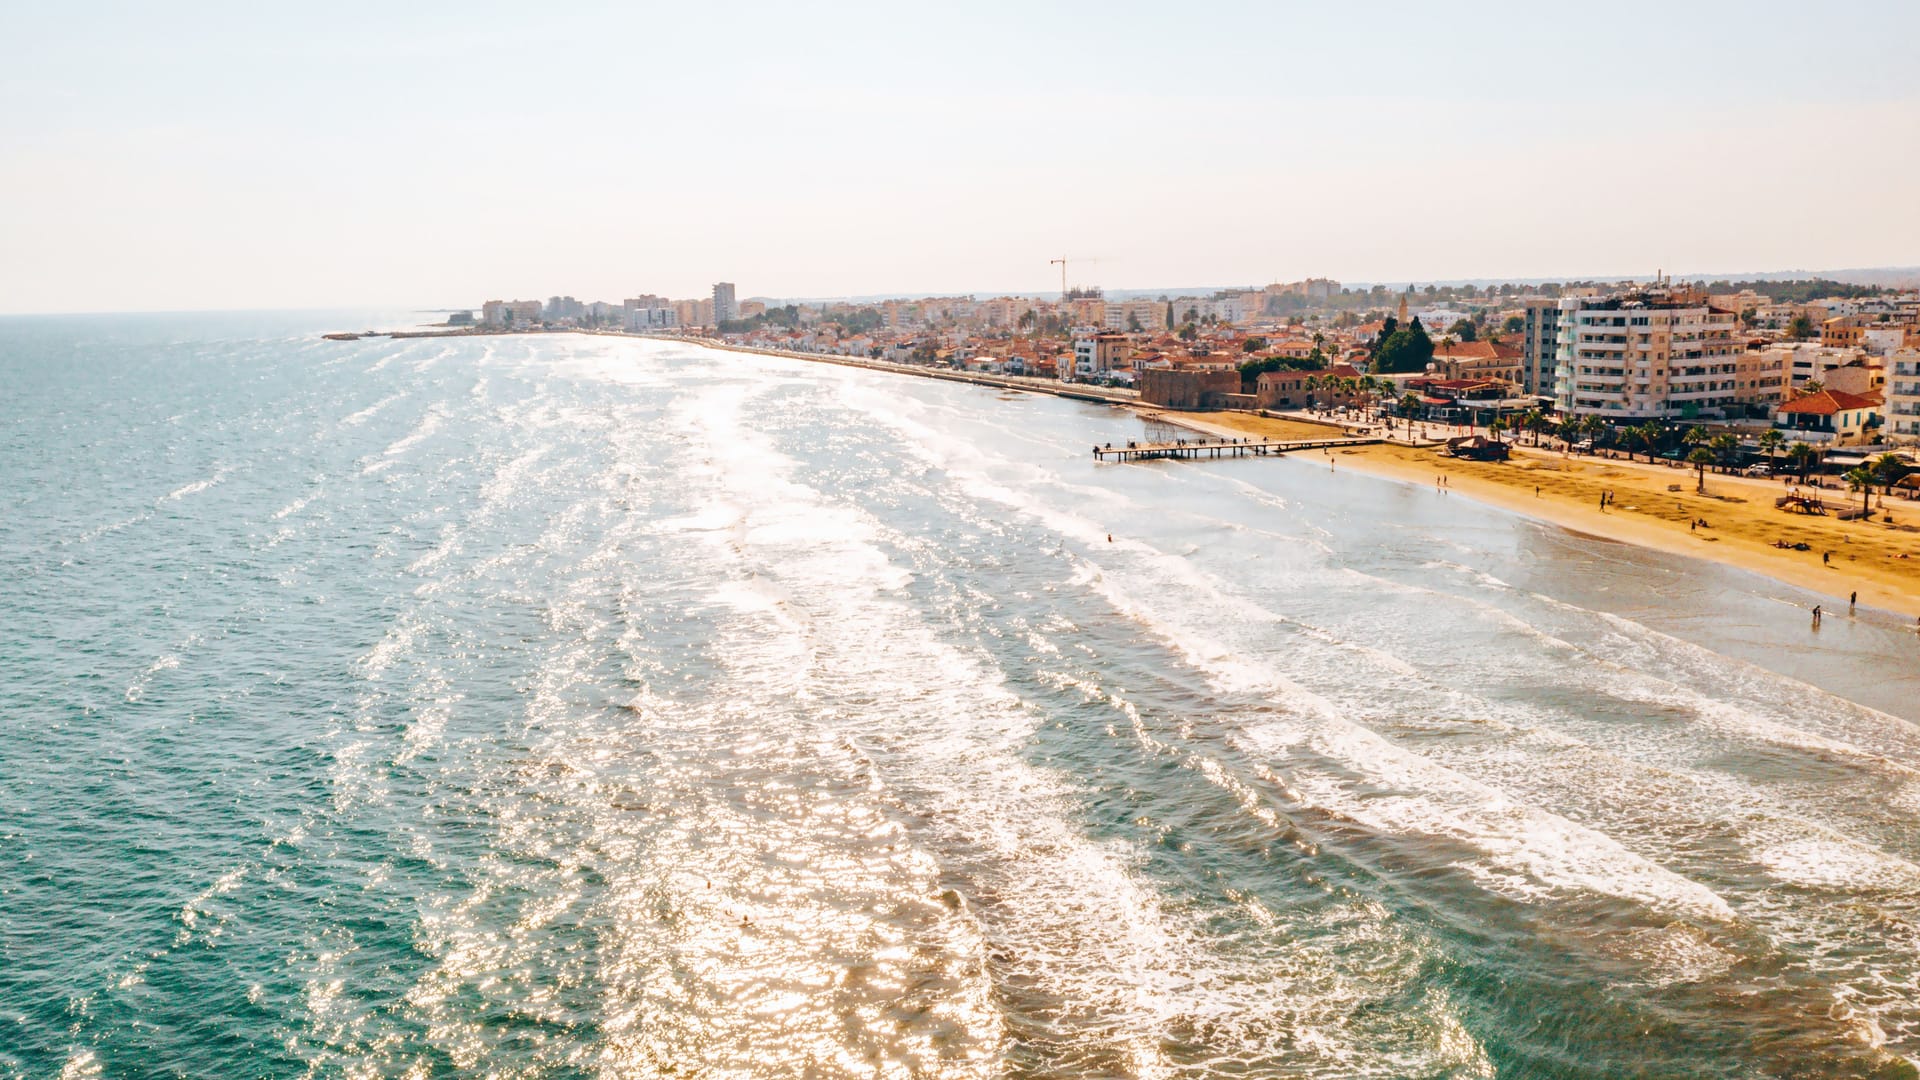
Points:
(1656, 506)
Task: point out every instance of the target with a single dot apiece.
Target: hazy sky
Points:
(264, 155)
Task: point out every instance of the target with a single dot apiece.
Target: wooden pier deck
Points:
(1194, 449)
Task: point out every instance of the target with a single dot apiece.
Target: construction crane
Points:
(1062, 263)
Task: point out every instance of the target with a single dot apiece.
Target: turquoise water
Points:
(572, 706)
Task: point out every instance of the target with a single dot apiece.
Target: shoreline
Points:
(1879, 562)
(1653, 506)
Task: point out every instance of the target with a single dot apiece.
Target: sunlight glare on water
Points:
(562, 705)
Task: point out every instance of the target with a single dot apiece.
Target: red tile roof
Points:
(1828, 402)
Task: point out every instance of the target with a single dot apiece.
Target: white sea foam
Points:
(196, 487)
(429, 423)
(361, 417)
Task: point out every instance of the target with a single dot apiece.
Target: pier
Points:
(1193, 449)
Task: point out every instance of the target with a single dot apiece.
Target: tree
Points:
(1801, 328)
(1700, 459)
(1133, 322)
(1801, 457)
(1513, 325)
(1169, 314)
(1770, 442)
(1725, 445)
(1368, 386)
(1463, 330)
(1253, 344)
(1649, 435)
(1403, 351)
(1593, 427)
(1189, 332)
(1888, 470)
(1811, 387)
(1496, 427)
(1860, 478)
(1409, 405)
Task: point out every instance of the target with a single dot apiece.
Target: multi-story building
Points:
(1761, 378)
(1096, 354)
(1743, 301)
(725, 307)
(1849, 369)
(1479, 360)
(1883, 338)
(1537, 348)
(1136, 315)
(1833, 416)
(514, 314)
(1656, 353)
(1842, 331)
(656, 316)
(1903, 395)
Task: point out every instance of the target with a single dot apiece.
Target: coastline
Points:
(1742, 521)
(1653, 506)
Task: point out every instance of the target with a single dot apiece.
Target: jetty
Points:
(1195, 449)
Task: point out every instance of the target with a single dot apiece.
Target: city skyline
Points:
(205, 159)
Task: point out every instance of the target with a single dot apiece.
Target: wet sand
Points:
(1656, 506)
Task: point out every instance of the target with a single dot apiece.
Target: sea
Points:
(587, 706)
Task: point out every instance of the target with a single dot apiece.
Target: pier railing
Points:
(1194, 449)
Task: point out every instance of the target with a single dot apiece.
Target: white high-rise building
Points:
(1658, 353)
(1903, 395)
(725, 307)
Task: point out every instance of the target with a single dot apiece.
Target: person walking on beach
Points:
(1816, 616)
(1826, 558)
(1852, 599)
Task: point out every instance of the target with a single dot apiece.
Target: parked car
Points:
(1583, 444)
(1761, 469)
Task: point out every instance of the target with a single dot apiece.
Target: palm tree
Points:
(1533, 420)
(1700, 459)
(1801, 457)
(1888, 469)
(1860, 478)
(1694, 435)
(1811, 387)
(1312, 385)
(1725, 445)
(1409, 405)
(1770, 442)
(1366, 386)
(1649, 435)
(1495, 427)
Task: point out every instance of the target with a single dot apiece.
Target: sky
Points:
(224, 156)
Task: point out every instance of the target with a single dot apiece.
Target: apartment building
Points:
(1537, 347)
(1136, 315)
(1096, 355)
(1903, 395)
(516, 314)
(725, 306)
(657, 316)
(1657, 353)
